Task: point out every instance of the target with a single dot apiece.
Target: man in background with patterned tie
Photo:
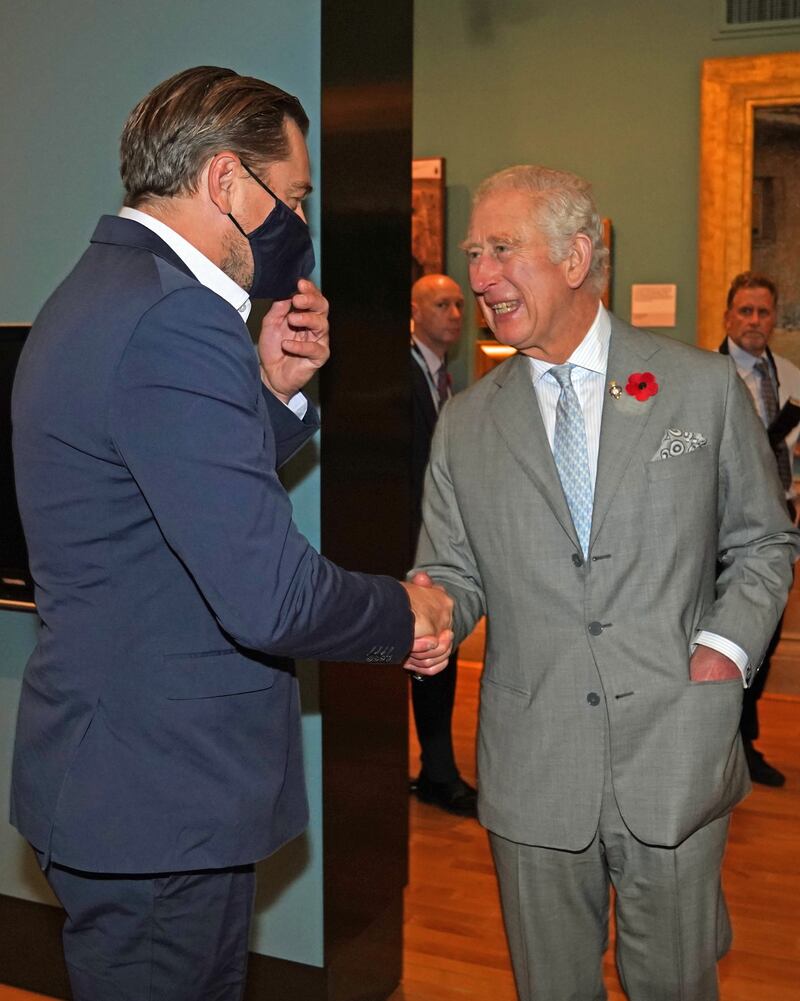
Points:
(437, 309)
(581, 496)
(750, 318)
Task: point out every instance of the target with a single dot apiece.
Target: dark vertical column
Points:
(365, 396)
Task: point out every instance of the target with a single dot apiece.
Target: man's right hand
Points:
(433, 636)
(431, 604)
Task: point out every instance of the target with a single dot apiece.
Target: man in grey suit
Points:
(582, 496)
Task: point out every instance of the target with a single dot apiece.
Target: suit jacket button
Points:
(593, 699)
(595, 628)
(577, 559)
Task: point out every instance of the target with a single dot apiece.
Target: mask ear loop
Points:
(236, 224)
(258, 180)
(269, 191)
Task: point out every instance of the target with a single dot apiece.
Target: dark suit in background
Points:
(437, 305)
(424, 415)
(750, 319)
(432, 699)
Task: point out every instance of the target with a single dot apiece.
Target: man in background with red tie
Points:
(437, 308)
(750, 318)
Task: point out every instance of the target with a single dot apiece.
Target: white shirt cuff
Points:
(298, 405)
(731, 650)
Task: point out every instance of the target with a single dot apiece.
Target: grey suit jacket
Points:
(591, 658)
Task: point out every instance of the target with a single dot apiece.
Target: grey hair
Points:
(562, 206)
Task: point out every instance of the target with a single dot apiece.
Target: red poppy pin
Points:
(642, 385)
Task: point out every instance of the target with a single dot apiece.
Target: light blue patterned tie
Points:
(572, 456)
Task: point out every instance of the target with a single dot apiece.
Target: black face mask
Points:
(282, 250)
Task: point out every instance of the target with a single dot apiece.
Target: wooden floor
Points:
(454, 944)
(455, 948)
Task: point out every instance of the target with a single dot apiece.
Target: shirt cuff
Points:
(730, 649)
(298, 405)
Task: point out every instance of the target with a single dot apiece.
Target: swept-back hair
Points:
(752, 279)
(178, 126)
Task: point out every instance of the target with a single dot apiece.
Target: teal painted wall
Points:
(610, 91)
(72, 73)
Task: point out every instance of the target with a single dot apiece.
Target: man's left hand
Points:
(293, 342)
(711, 665)
(430, 654)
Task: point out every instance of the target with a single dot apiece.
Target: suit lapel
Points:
(516, 414)
(624, 419)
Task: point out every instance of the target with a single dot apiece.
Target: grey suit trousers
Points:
(671, 919)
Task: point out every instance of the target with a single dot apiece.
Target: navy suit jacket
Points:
(159, 725)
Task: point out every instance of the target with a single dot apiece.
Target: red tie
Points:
(443, 384)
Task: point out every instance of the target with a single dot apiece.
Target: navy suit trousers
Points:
(165, 937)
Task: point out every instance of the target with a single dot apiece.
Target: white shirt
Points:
(208, 274)
(590, 359)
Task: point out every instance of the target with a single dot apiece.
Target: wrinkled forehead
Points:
(755, 295)
(503, 216)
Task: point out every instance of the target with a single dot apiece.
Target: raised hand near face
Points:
(294, 341)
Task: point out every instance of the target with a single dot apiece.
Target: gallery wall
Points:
(610, 91)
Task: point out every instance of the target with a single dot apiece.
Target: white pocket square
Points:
(676, 442)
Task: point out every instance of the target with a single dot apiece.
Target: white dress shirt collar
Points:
(592, 352)
(743, 359)
(204, 270)
(432, 360)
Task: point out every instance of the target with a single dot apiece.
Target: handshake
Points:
(433, 619)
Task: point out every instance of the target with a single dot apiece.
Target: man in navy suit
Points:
(158, 741)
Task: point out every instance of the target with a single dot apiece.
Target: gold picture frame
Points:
(427, 216)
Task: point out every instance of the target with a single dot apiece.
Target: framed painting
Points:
(427, 216)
